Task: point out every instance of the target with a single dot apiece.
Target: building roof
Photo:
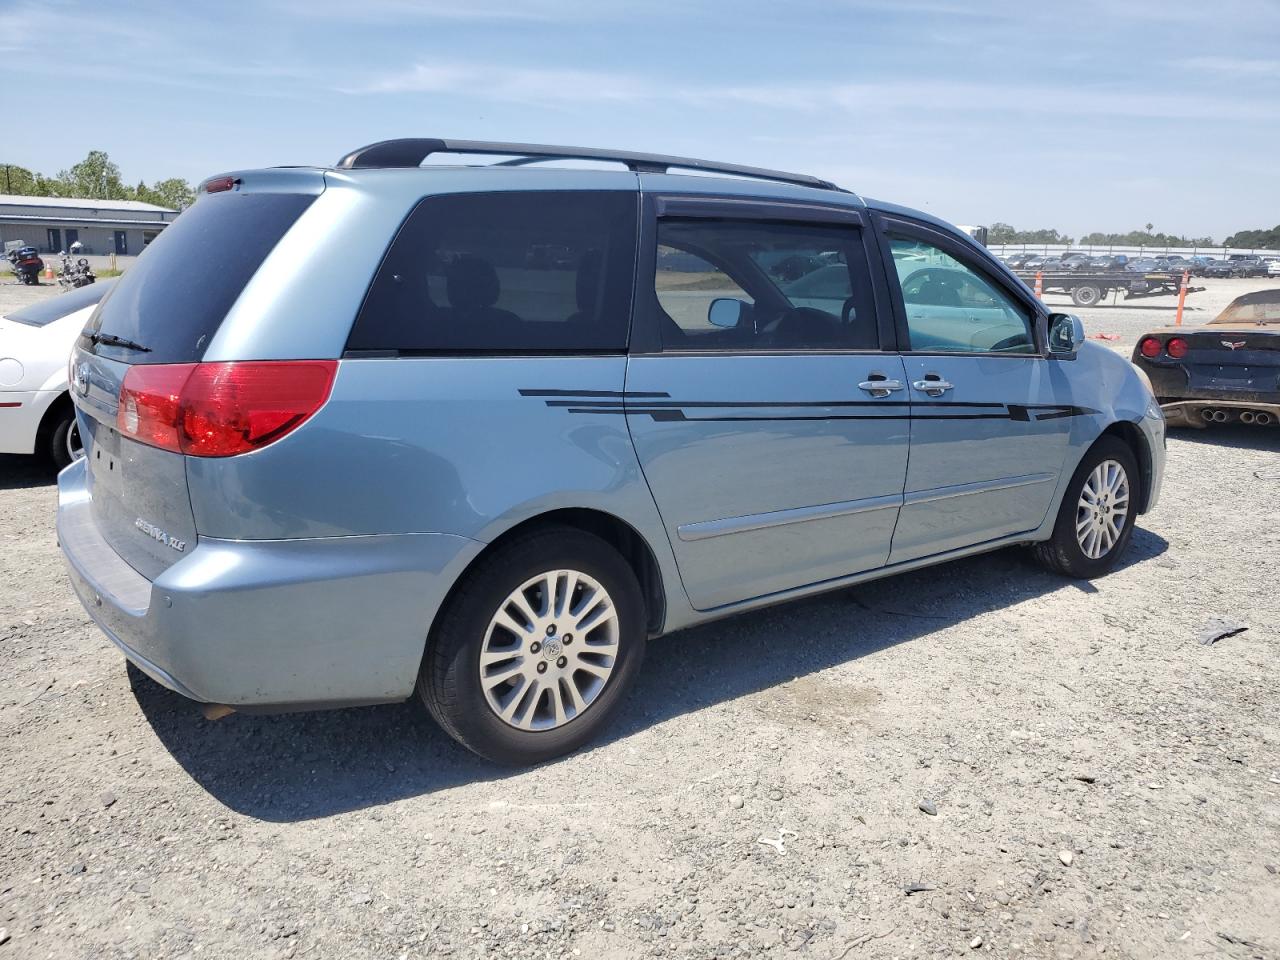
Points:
(136, 206)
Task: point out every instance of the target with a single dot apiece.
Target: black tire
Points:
(449, 681)
(57, 449)
(1086, 296)
(1062, 552)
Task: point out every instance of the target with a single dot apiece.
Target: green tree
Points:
(1004, 233)
(94, 178)
(174, 193)
(1261, 239)
(17, 181)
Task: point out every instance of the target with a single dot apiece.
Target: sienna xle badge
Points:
(484, 430)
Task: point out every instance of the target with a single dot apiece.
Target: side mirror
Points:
(726, 313)
(1066, 335)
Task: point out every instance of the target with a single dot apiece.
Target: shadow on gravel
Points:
(303, 766)
(1236, 435)
(20, 473)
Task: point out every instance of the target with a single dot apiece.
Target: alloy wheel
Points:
(549, 650)
(1102, 509)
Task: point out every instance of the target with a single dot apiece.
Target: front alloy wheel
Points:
(1102, 509)
(1097, 515)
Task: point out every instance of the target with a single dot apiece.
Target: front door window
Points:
(952, 308)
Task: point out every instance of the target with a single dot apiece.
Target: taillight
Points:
(1150, 347)
(1177, 348)
(150, 401)
(221, 409)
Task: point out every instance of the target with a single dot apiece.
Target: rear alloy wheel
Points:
(549, 651)
(536, 648)
(1095, 521)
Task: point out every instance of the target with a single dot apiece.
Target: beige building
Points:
(51, 224)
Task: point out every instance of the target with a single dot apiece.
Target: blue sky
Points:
(1076, 114)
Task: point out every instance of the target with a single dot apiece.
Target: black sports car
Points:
(1227, 370)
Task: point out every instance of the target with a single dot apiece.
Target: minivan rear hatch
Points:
(166, 309)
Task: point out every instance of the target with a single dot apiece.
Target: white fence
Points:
(1098, 250)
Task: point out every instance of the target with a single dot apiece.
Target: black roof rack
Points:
(412, 152)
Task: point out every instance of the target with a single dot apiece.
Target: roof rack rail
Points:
(412, 152)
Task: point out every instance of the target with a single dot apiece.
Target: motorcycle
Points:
(26, 264)
(72, 275)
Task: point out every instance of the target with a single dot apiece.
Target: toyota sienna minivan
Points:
(482, 430)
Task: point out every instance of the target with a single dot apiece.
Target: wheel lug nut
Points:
(561, 662)
(542, 667)
(567, 639)
(551, 630)
(535, 647)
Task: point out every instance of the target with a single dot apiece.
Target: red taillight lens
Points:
(150, 399)
(230, 408)
(1177, 348)
(221, 409)
(1150, 347)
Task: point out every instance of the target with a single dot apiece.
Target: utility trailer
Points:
(1086, 288)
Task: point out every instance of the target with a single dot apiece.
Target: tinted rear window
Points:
(55, 308)
(511, 272)
(174, 298)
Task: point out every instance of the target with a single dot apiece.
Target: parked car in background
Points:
(36, 415)
(1076, 261)
(1251, 267)
(1180, 265)
(1143, 265)
(1109, 262)
(1222, 268)
(1273, 268)
(1227, 371)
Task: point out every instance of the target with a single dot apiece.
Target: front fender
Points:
(1121, 403)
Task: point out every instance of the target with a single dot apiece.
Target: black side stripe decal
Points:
(641, 403)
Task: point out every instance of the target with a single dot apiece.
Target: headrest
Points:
(471, 283)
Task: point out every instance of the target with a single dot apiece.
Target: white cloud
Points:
(1235, 66)
(940, 100)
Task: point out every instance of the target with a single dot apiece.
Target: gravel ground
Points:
(1096, 781)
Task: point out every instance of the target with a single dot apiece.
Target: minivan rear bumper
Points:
(267, 623)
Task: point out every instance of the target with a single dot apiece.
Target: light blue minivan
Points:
(481, 430)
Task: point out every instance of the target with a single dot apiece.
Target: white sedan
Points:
(36, 416)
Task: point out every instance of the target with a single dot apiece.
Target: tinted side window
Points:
(952, 308)
(795, 287)
(516, 272)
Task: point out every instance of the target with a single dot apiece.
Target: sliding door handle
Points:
(881, 388)
(934, 387)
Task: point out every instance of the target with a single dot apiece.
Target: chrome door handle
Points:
(934, 388)
(881, 388)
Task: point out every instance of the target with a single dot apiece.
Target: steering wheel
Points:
(1008, 343)
(847, 309)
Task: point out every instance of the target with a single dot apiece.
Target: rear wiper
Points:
(111, 340)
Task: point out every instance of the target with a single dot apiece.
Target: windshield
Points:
(1262, 307)
(55, 308)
